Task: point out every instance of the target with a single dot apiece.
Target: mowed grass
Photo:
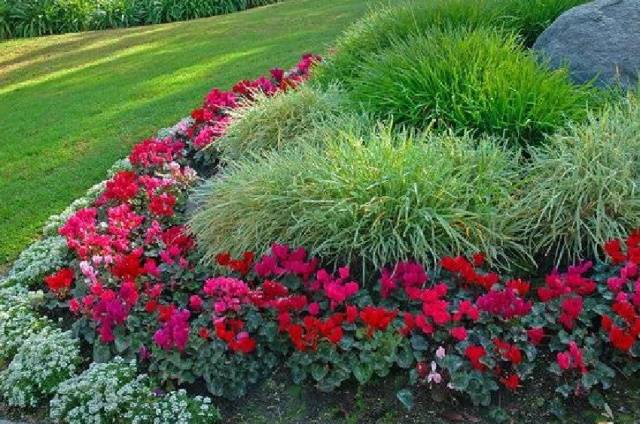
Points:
(71, 105)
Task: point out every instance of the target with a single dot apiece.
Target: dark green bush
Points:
(385, 25)
(469, 79)
(377, 199)
(30, 18)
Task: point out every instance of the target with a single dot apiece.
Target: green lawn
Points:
(70, 105)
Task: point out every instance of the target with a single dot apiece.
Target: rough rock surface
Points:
(600, 39)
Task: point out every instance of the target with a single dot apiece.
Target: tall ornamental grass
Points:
(469, 79)
(583, 188)
(272, 122)
(375, 200)
(401, 20)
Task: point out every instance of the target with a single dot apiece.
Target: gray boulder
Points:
(598, 40)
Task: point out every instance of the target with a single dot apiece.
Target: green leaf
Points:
(419, 342)
(405, 396)
(319, 371)
(362, 373)
(565, 390)
(101, 352)
(589, 380)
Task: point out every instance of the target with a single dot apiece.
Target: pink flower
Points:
(195, 302)
(314, 308)
(564, 360)
(434, 377)
(440, 352)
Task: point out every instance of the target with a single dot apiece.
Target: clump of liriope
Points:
(583, 187)
(41, 258)
(376, 199)
(43, 361)
(477, 80)
(114, 392)
(401, 20)
(271, 122)
(18, 319)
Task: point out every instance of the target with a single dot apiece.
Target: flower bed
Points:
(133, 286)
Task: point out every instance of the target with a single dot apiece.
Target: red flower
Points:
(511, 382)
(244, 345)
(377, 318)
(520, 286)
(121, 187)
(459, 333)
(474, 353)
(571, 310)
(620, 339)
(203, 332)
(536, 335)
(614, 251)
(61, 281)
(423, 369)
(162, 204)
(352, 313)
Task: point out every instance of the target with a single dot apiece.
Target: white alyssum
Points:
(39, 259)
(104, 393)
(42, 362)
(113, 392)
(18, 320)
(178, 408)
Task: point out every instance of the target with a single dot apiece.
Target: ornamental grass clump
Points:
(582, 189)
(271, 122)
(469, 79)
(389, 24)
(377, 199)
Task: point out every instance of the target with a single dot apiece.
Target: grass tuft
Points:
(373, 200)
(583, 188)
(469, 79)
(401, 20)
(272, 122)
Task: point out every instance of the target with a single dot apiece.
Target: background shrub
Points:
(30, 18)
(395, 22)
(583, 188)
(270, 122)
(461, 79)
(379, 199)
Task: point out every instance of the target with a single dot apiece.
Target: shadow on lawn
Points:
(73, 104)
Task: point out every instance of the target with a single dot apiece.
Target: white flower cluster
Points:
(18, 320)
(42, 362)
(41, 258)
(56, 221)
(178, 408)
(105, 393)
(113, 392)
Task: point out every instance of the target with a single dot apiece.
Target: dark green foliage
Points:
(30, 18)
(527, 18)
(469, 79)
